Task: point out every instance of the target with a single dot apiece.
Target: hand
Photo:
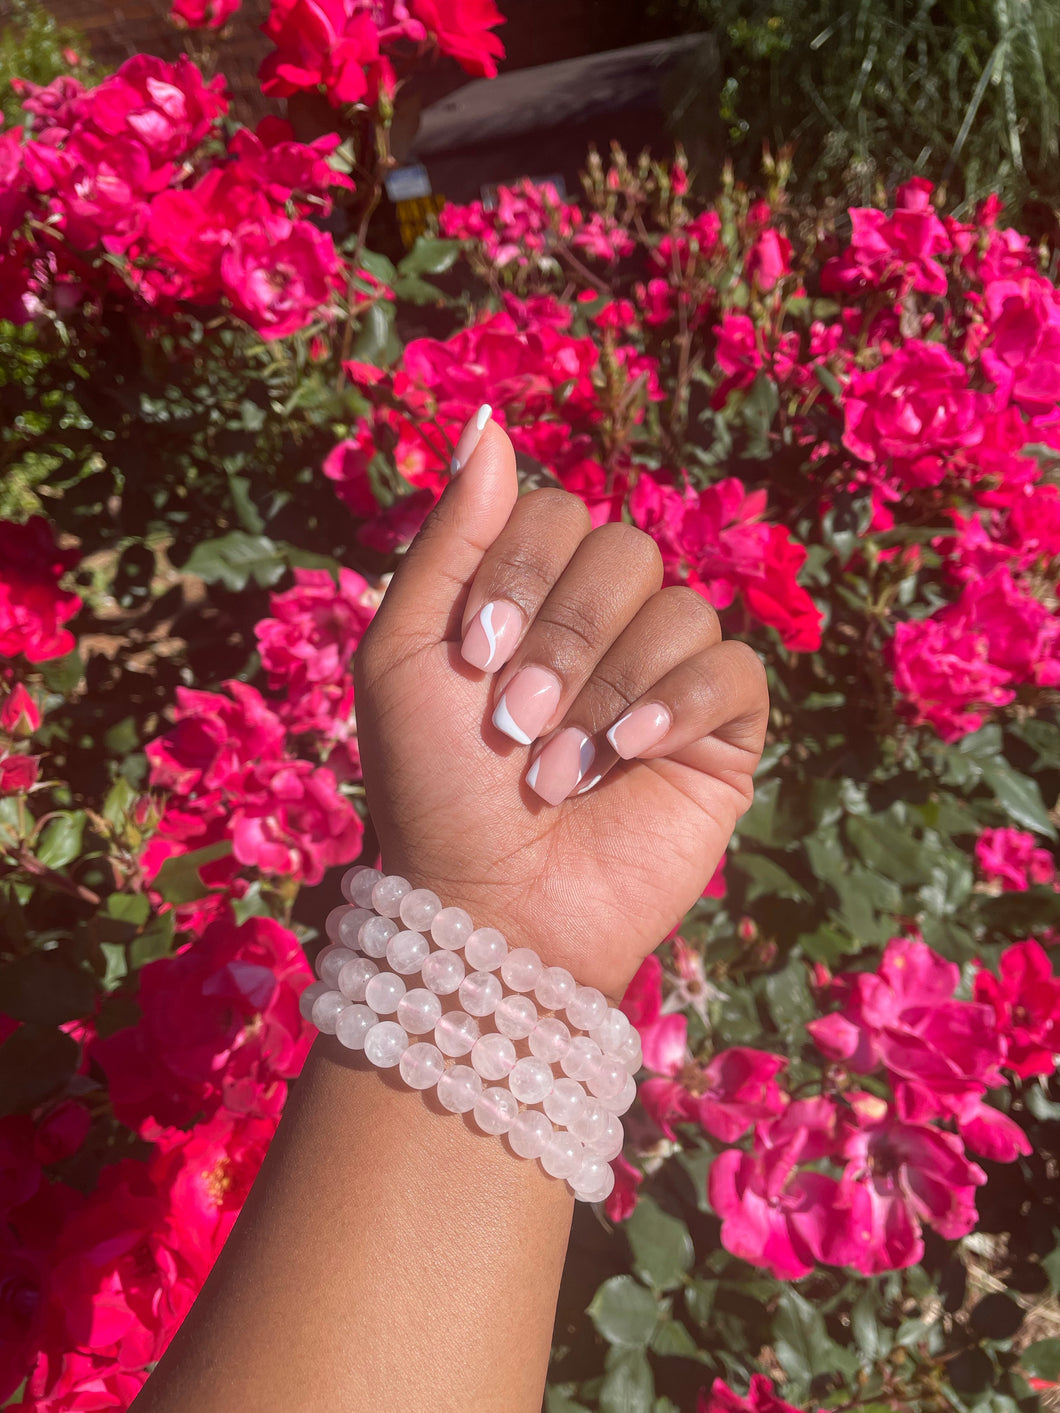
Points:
(593, 881)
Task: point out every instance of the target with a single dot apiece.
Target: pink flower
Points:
(216, 739)
(315, 629)
(942, 669)
(1025, 997)
(19, 713)
(32, 606)
(462, 28)
(329, 44)
(168, 108)
(896, 252)
(761, 1397)
(1009, 856)
(203, 14)
(769, 260)
(18, 773)
(278, 274)
(624, 1195)
(291, 820)
(1023, 354)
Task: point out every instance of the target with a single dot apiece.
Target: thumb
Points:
(425, 600)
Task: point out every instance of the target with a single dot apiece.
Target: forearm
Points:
(390, 1257)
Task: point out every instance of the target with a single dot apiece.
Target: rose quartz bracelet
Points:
(382, 982)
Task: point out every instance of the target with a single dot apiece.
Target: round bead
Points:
(493, 1056)
(388, 893)
(603, 1191)
(479, 993)
(456, 1033)
(608, 1080)
(451, 928)
(326, 1010)
(344, 924)
(385, 1044)
(515, 1016)
(620, 1104)
(590, 1123)
(612, 1031)
(549, 1039)
(458, 1089)
(421, 1065)
(586, 1008)
(362, 887)
(582, 1057)
(418, 1011)
(529, 1134)
(555, 987)
(530, 1080)
(353, 1025)
(355, 976)
(485, 949)
(562, 1155)
(419, 909)
(521, 969)
(442, 973)
(309, 995)
(374, 934)
(594, 1179)
(612, 1141)
(565, 1102)
(333, 919)
(629, 1053)
(349, 878)
(407, 951)
(323, 955)
(495, 1110)
(383, 992)
(331, 964)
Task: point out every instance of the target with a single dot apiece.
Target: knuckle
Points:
(687, 603)
(627, 543)
(549, 502)
(619, 681)
(575, 620)
(523, 572)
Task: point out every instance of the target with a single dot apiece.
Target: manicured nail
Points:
(561, 766)
(492, 635)
(526, 704)
(469, 438)
(640, 729)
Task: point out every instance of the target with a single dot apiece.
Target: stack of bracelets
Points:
(417, 986)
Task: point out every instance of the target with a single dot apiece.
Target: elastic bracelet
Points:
(401, 966)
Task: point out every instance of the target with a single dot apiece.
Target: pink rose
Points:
(279, 274)
(33, 608)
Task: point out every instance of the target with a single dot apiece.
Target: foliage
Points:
(849, 446)
(34, 46)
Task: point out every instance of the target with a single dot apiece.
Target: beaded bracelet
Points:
(570, 1123)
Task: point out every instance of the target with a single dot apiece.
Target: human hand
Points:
(594, 880)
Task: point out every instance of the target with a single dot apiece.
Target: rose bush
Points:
(224, 426)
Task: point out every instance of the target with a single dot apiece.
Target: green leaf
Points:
(873, 1338)
(430, 256)
(376, 342)
(1018, 795)
(759, 408)
(672, 1338)
(178, 879)
(134, 908)
(416, 291)
(628, 1385)
(63, 674)
(768, 878)
(887, 847)
(381, 266)
(801, 1342)
(661, 1245)
(623, 1312)
(788, 997)
(45, 988)
(996, 1316)
(757, 823)
(556, 1401)
(249, 515)
(825, 944)
(236, 558)
(156, 940)
(35, 1063)
(60, 840)
(1042, 1359)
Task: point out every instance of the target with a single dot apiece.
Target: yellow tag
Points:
(415, 214)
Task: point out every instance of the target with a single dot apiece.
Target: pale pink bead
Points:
(521, 969)
(421, 1065)
(562, 1154)
(355, 976)
(455, 1033)
(629, 1053)
(590, 1123)
(554, 988)
(582, 1057)
(607, 1186)
(383, 992)
(442, 973)
(309, 995)
(331, 922)
(586, 1008)
(479, 993)
(350, 877)
(348, 926)
(530, 1080)
(612, 1030)
(385, 1044)
(326, 1009)
(353, 1025)
(388, 893)
(593, 1179)
(419, 909)
(407, 951)
(529, 1134)
(493, 1056)
(620, 1104)
(565, 1102)
(331, 964)
(485, 949)
(515, 1016)
(549, 1039)
(363, 885)
(323, 955)
(458, 1089)
(608, 1080)
(610, 1144)
(451, 928)
(495, 1110)
(419, 1010)
(375, 934)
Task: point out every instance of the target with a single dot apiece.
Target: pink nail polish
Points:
(492, 635)
(469, 438)
(561, 766)
(640, 729)
(527, 703)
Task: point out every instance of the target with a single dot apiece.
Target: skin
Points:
(390, 1257)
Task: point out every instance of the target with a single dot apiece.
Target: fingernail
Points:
(526, 704)
(469, 438)
(492, 635)
(561, 766)
(640, 729)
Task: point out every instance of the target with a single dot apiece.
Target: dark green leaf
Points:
(178, 879)
(45, 988)
(378, 265)
(972, 1371)
(156, 940)
(624, 1312)
(757, 823)
(1018, 795)
(416, 291)
(63, 674)
(788, 997)
(873, 1338)
(1042, 1359)
(997, 1316)
(759, 408)
(430, 257)
(628, 1386)
(887, 847)
(558, 1402)
(768, 878)
(235, 558)
(661, 1245)
(35, 1063)
(133, 908)
(60, 839)
(801, 1341)
(671, 1337)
